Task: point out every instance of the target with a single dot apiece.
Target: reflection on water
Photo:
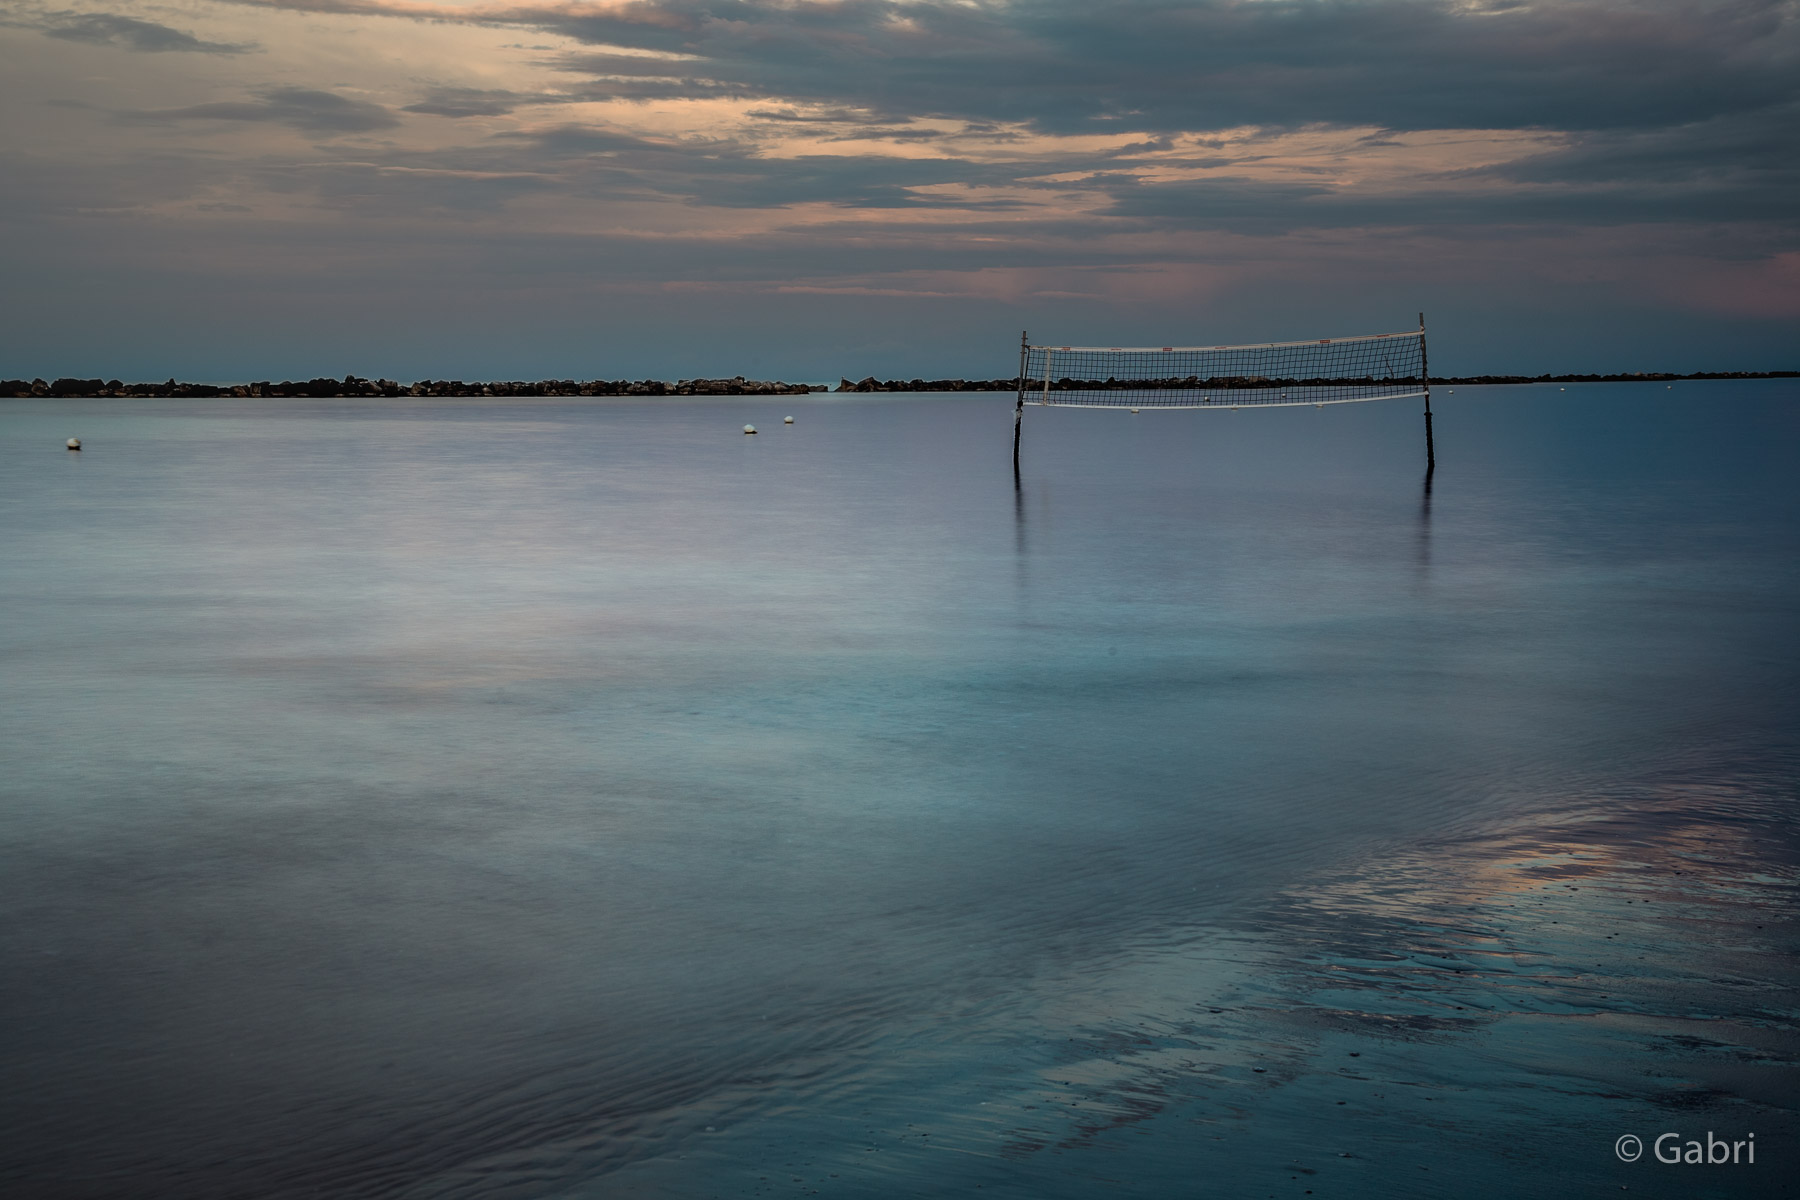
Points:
(457, 798)
(1425, 524)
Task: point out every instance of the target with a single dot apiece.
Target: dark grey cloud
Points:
(834, 116)
(459, 102)
(889, 133)
(301, 108)
(1183, 65)
(1266, 209)
(1744, 149)
(1073, 65)
(130, 33)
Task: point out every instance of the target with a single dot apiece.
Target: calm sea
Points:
(583, 799)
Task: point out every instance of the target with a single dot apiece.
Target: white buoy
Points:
(1134, 410)
(749, 429)
(1321, 404)
(74, 443)
(1453, 391)
(1562, 389)
(787, 420)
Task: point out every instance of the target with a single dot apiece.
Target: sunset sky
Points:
(798, 190)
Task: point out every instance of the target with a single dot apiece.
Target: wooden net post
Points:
(1425, 370)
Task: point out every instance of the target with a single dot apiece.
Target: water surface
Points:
(572, 798)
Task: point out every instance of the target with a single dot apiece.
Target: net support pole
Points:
(1019, 407)
(1425, 370)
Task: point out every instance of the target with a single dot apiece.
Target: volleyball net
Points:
(1347, 370)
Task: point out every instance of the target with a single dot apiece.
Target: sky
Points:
(220, 190)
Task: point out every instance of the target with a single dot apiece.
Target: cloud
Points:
(734, 173)
(458, 102)
(404, 193)
(1747, 149)
(999, 149)
(829, 116)
(111, 29)
(1064, 66)
(1252, 207)
(1659, 110)
(302, 108)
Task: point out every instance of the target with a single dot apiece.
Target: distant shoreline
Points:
(351, 386)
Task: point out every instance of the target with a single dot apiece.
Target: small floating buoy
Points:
(1562, 389)
(787, 420)
(1320, 404)
(1453, 391)
(749, 429)
(1134, 410)
(74, 443)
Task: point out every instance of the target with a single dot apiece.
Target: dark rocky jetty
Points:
(872, 384)
(351, 385)
(737, 385)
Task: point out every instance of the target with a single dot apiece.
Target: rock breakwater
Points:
(351, 386)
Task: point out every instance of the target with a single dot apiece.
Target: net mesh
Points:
(1382, 366)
